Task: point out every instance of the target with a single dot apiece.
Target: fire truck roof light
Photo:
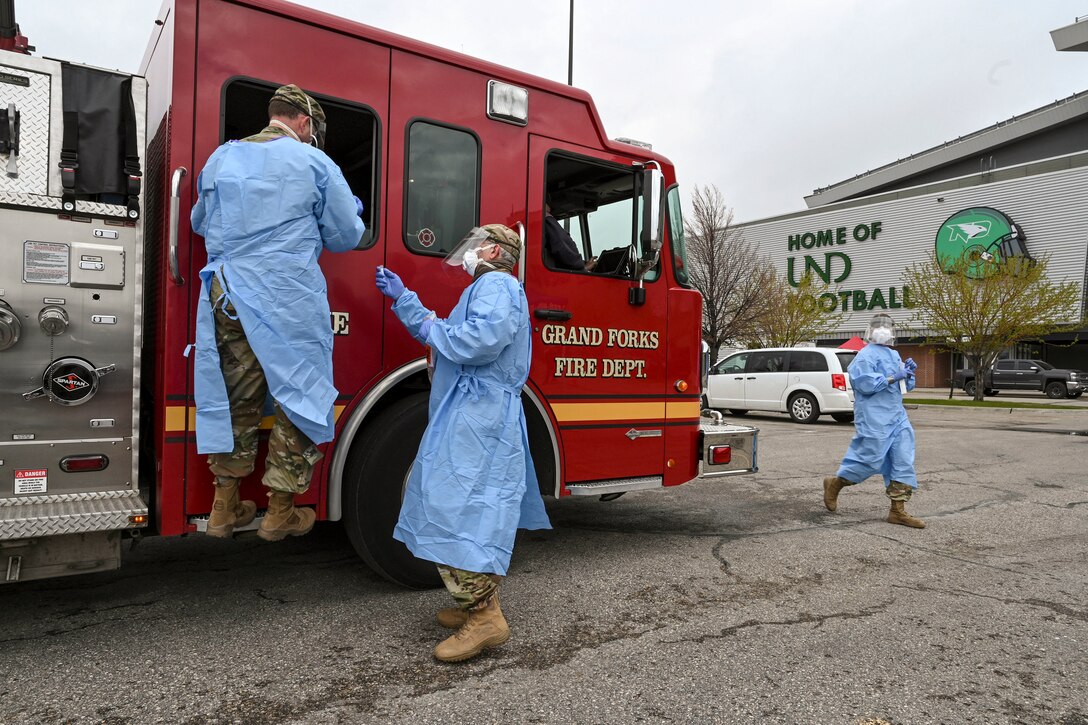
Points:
(507, 103)
(83, 464)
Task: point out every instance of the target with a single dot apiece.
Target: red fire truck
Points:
(98, 283)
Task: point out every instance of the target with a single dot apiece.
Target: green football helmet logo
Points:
(979, 235)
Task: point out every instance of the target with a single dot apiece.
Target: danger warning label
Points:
(31, 480)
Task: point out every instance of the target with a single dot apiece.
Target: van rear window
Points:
(845, 358)
(804, 361)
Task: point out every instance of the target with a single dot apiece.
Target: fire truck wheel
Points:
(374, 478)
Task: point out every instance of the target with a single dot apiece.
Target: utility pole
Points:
(570, 48)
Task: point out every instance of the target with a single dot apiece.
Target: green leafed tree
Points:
(980, 307)
(731, 276)
(794, 314)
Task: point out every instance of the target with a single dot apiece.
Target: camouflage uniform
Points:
(471, 590)
(291, 455)
(897, 491)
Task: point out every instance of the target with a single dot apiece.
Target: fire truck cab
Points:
(99, 283)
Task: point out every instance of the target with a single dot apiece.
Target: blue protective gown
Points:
(472, 484)
(883, 437)
(266, 211)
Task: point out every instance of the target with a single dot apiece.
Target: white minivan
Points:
(805, 382)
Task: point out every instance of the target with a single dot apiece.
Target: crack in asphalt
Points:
(952, 557)
(1056, 607)
(803, 618)
(1061, 506)
(716, 552)
(89, 625)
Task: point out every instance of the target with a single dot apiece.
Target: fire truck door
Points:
(350, 78)
(599, 359)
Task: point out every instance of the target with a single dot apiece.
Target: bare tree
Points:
(732, 278)
(794, 315)
(980, 308)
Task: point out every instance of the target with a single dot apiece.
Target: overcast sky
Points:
(767, 100)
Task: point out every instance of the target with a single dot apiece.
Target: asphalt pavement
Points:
(738, 600)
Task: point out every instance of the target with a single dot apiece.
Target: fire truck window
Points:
(676, 237)
(351, 139)
(443, 189)
(598, 205)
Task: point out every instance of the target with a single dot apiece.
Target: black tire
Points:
(738, 411)
(1076, 394)
(804, 408)
(843, 417)
(1055, 390)
(704, 402)
(989, 391)
(374, 479)
(969, 388)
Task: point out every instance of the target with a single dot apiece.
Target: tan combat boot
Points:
(452, 617)
(899, 515)
(484, 628)
(228, 512)
(455, 617)
(832, 486)
(282, 519)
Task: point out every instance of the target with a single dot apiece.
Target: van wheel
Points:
(1055, 390)
(738, 411)
(843, 417)
(969, 388)
(804, 408)
(989, 391)
(1076, 394)
(374, 479)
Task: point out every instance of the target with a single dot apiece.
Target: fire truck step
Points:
(614, 485)
(74, 513)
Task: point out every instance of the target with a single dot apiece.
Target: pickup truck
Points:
(1026, 375)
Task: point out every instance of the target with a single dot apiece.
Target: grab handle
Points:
(175, 209)
(521, 263)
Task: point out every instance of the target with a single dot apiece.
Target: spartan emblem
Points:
(71, 382)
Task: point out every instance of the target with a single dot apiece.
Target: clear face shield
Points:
(317, 128)
(881, 331)
(474, 241)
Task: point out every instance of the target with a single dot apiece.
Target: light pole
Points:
(570, 48)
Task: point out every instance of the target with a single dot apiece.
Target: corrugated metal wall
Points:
(1052, 209)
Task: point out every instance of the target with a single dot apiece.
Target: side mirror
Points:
(653, 219)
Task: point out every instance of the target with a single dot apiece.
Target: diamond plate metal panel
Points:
(33, 103)
(32, 516)
(52, 203)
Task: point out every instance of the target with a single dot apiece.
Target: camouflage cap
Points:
(301, 100)
(505, 237)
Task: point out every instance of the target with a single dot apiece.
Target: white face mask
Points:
(881, 336)
(470, 261)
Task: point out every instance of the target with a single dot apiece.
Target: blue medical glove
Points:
(901, 374)
(389, 283)
(910, 365)
(425, 329)
(358, 206)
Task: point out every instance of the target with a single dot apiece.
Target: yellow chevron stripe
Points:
(176, 418)
(683, 409)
